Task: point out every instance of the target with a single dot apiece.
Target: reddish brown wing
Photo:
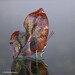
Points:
(37, 25)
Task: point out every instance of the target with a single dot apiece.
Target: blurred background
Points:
(60, 52)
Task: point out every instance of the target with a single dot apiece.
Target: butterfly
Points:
(34, 39)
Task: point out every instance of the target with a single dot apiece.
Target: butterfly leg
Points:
(36, 58)
(42, 59)
(36, 55)
(41, 54)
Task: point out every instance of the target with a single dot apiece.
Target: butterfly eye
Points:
(35, 25)
(33, 41)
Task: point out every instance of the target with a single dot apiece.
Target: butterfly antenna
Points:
(50, 35)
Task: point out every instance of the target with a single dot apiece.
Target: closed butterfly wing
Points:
(37, 25)
(17, 42)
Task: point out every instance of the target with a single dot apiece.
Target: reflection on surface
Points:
(29, 66)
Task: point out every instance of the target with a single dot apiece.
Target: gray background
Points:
(60, 52)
